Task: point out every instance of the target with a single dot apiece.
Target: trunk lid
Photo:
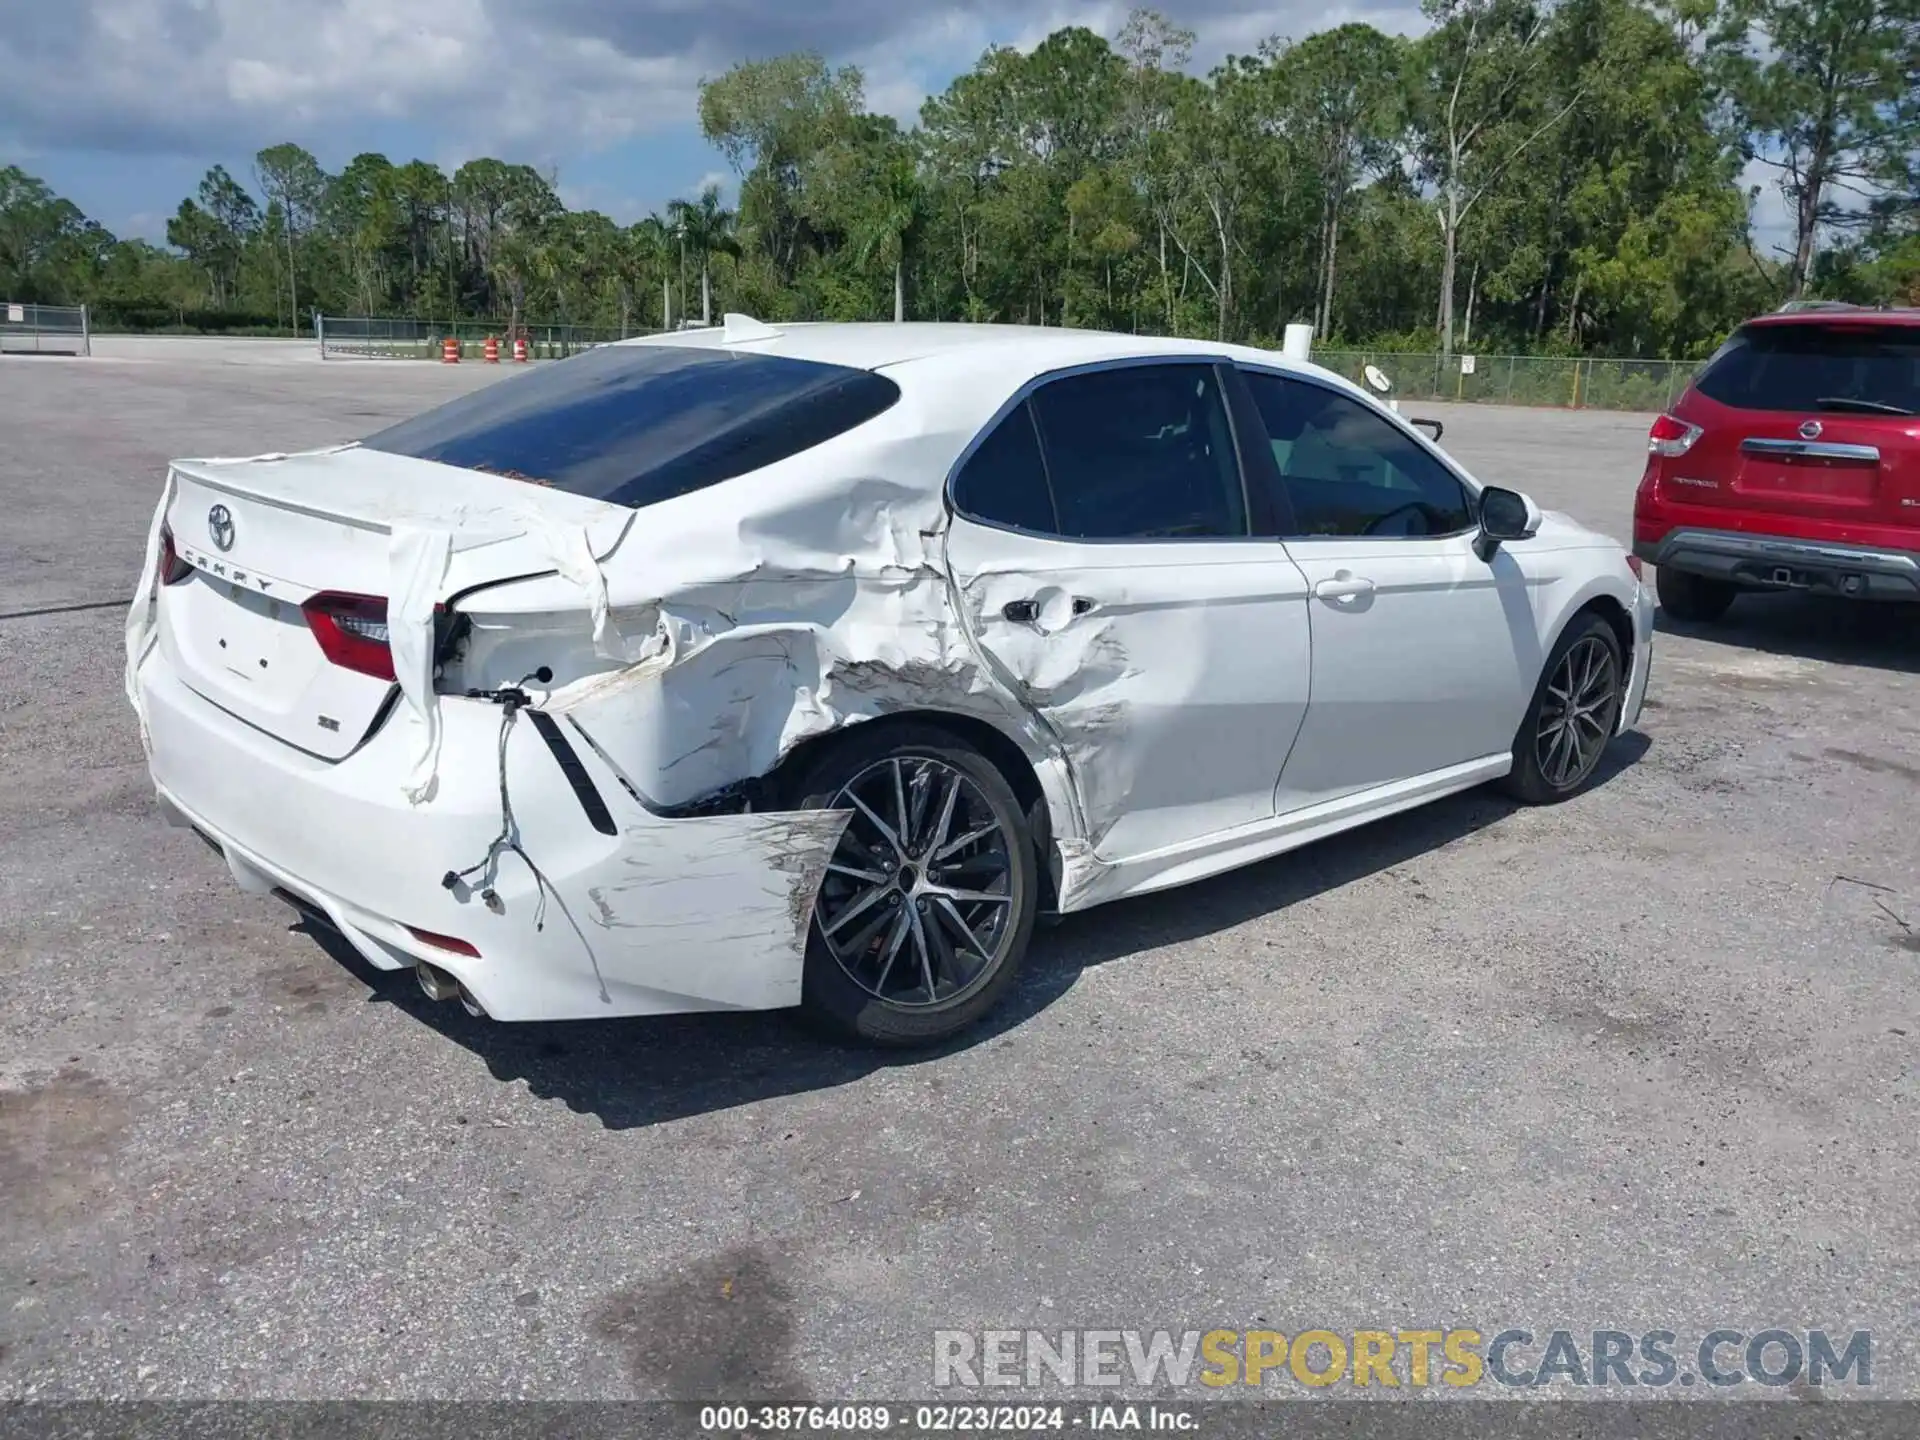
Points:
(265, 536)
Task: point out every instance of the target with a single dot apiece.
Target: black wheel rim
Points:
(1576, 715)
(918, 902)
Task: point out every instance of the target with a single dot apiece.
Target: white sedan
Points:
(757, 667)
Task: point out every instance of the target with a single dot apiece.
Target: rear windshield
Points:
(1863, 368)
(638, 424)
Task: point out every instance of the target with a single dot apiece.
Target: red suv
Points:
(1791, 463)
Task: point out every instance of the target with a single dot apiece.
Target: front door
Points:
(1424, 655)
(1100, 548)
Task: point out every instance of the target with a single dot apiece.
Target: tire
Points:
(854, 986)
(1586, 664)
(1692, 597)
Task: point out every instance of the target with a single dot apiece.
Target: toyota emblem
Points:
(220, 527)
(1809, 429)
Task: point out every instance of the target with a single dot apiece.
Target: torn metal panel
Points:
(418, 561)
(727, 917)
(140, 614)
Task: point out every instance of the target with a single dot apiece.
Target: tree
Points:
(1347, 86)
(1825, 91)
(293, 180)
(364, 214)
(867, 187)
(1088, 181)
(48, 248)
(769, 118)
(1156, 52)
(704, 228)
(1482, 107)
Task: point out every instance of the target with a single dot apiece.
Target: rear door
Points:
(1102, 556)
(1818, 419)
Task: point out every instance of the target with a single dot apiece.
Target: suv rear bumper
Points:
(1773, 562)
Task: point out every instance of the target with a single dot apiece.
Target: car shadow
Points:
(633, 1073)
(1877, 635)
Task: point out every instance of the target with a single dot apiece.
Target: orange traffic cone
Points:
(492, 350)
(450, 351)
(520, 350)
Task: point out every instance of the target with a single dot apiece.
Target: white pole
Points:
(1299, 342)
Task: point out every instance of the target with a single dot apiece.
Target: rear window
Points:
(638, 424)
(1817, 367)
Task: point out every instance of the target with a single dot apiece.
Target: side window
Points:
(1348, 471)
(1141, 452)
(1004, 481)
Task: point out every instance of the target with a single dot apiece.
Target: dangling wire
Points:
(512, 699)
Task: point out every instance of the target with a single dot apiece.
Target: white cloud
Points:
(194, 76)
(188, 75)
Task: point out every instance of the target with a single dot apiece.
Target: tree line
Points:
(1528, 175)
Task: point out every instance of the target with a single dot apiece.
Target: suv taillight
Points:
(1671, 437)
(172, 568)
(351, 631)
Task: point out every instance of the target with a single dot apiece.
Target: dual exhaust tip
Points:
(437, 984)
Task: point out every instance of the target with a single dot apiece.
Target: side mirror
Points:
(1438, 428)
(1504, 515)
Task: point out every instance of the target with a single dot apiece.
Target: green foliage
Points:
(1529, 177)
(1825, 91)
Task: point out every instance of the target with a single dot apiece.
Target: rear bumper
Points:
(661, 917)
(1775, 562)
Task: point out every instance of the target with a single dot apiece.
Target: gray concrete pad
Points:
(1646, 1060)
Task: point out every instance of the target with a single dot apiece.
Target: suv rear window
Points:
(638, 424)
(1811, 367)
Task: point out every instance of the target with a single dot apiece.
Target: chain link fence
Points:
(50, 329)
(381, 337)
(1565, 381)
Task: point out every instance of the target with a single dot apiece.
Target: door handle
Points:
(1343, 587)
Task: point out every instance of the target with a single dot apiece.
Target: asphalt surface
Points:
(1645, 1060)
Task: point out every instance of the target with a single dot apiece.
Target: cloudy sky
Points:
(121, 105)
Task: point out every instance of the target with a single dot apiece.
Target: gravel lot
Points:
(1644, 1060)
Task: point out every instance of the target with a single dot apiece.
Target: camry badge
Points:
(220, 527)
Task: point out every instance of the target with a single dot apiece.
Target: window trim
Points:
(1023, 396)
(1471, 487)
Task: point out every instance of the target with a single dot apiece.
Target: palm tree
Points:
(705, 227)
(651, 244)
(886, 231)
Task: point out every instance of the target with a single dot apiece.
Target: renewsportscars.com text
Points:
(1400, 1358)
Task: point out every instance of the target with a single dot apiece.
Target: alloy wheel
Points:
(1577, 713)
(918, 904)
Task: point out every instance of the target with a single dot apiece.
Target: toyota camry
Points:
(760, 667)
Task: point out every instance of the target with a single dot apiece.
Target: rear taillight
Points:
(352, 631)
(172, 568)
(1672, 437)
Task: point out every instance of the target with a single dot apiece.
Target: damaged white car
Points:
(752, 667)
